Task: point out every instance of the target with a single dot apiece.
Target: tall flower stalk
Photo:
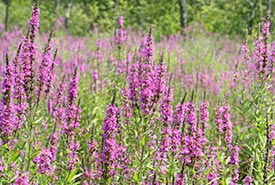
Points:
(8, 122)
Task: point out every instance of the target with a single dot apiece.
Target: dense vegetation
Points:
(119, 108)
(78, 17)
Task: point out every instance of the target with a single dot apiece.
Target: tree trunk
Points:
(7, 2)
(86, 8)
(56, 5)
(183, 14)
(208, 2)
(268, 7)
(68, 15)
(192, 3)
(251, 16)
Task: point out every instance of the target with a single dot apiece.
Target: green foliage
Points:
(222, 16)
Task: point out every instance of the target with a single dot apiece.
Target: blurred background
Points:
(236, 18)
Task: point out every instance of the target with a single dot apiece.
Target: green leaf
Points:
(76, 176)
(71, 176)
(136, 176)
(14, 157)
(143, 141)
(34, 155)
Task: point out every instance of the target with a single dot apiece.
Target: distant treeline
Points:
(79, 17)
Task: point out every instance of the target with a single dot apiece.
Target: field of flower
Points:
(121, 108)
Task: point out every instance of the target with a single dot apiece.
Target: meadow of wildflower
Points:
(123, 109)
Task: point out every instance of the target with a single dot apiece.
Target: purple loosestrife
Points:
(112, 154)
(134, 82)
(266, 29)
(211, 152)
(21, 179)
(200, 151)
(73, 155)
(2, 168)
(128, 60)
(95, 78)
(98, 54)
(146, 84)
(259, 56)
(126, 109)
(29, 52)
(212, 162)
(110, 126)
(227, 125)
(120, 33)
(73, 88)
(137, 79)
(175, 141)
(246, 58)
(45, 68)
(55, 107)
(52, 75)
(142, 48)
(248, 180)
(146, 97)
(19, 93)
(218, 118)
(161, 156)
(93, 149)
(8, 79)
(234, 80)
(179, 179)
(34, 22)
(148, 52)
(72, 116)
(179, 115)
(58, 112)
(159, 80)
(171, 138)
(204, 115)
(25, 62)
(72, 121)
(234, 160)
(8, 120)
(170, 134)
(245, 53)
(261, 52)
(146, 94)
(120, 36)
(44, 160)
(193, 142)
(234, 157)
(166, 109)
(147, 74)
(93, 157)
(212, 178)
(120, 21)
(223, 123)
(272, 58)
(53, 142)
(99, 44)
(191, 149)
(191, 118)
(91, 175)
(272, 149)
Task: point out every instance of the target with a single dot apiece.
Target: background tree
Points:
(7, 4)
(183, 14)
(235, 18)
